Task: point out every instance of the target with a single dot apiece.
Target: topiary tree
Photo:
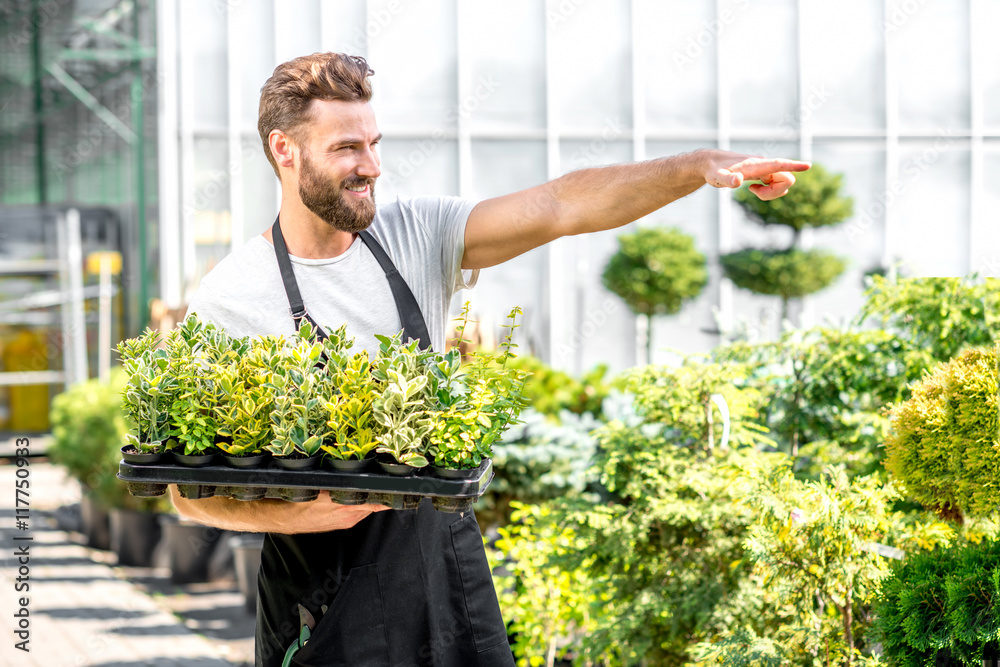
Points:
(655, 271)
(792, 273)
(944, 448)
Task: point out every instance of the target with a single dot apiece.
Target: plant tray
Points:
(347, 488)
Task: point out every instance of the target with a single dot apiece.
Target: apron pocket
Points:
(352, 632)
(477, 584)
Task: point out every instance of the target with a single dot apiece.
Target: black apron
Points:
(403, 587)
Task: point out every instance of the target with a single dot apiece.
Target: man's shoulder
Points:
(242, 266)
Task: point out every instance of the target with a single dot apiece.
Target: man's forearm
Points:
(600, 198)
(270, 515)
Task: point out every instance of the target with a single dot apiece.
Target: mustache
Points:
(355, 182)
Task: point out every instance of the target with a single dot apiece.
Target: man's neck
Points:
(308, 236)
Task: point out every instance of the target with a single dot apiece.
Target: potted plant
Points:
(472, 417)
(244, 414)
(351, 423)
(401, 408)
(298, 421)
(146, 398)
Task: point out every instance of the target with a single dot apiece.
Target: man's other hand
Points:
(730, 170)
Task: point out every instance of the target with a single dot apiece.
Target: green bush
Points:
(89, 429)
(815, 201)
(947, 600)
(655, 271)
(938, 315)
(789, 274)
(551, 391)
(944, 448)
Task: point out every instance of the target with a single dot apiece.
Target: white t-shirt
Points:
(424, 237)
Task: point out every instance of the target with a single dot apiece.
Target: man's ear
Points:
(283, 149)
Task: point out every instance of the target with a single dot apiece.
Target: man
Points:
(394, 587)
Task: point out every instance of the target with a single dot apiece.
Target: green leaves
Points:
(656, 270)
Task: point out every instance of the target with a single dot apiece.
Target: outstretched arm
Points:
(271, 515)
(592, 200)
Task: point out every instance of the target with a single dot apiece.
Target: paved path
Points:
(85, 612)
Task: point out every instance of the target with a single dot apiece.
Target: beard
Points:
(328, 201)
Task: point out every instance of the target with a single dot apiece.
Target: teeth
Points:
(360, 188)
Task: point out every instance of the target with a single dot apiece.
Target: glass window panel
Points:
(986, 241)
(499, 168)
(679, 59)
(296, 29)
(506, 86)
(987, 55)
(203, 34)
(260, 203)
(253, 45)
(843, 66)
(591, 69)
(931, 213)
(757, 47)
(414, 58)
(347, 27)
(416, 168)
(601, 327)
(932, 62)
(860, 239)
(696, 215)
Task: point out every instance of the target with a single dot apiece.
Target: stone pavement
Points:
(83, 611)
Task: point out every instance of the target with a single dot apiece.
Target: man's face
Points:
(339, 165)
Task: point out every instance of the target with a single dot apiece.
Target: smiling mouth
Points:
(358, 190)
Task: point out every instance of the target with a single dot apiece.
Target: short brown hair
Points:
(285, 97)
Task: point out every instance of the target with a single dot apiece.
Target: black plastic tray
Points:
(347, 488)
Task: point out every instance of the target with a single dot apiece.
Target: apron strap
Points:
(412, 319)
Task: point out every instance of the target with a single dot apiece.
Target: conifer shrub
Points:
(943, 448)
(941, 604)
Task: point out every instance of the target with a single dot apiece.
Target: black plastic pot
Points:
(134, 536)
(189, 549)
(400, 469)
(349, 497)
(144, 458)
(194, 460)
(246, 554)
(297, 495)
(252, 461)
(456, 473)
(95, 523)
(351, 465)
(304, 463)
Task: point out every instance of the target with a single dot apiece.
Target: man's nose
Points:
(369, 166)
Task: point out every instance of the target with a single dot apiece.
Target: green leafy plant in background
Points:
(814, 544)
(88, 430)
(551, 606)
(944, 447)
(824, 390)
(940, 316)
(655, 271)
(941, 604)
(550, 391)
(792, 273)
(148, 393)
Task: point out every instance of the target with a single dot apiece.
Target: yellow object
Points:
(29, 404)
(94, 262)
